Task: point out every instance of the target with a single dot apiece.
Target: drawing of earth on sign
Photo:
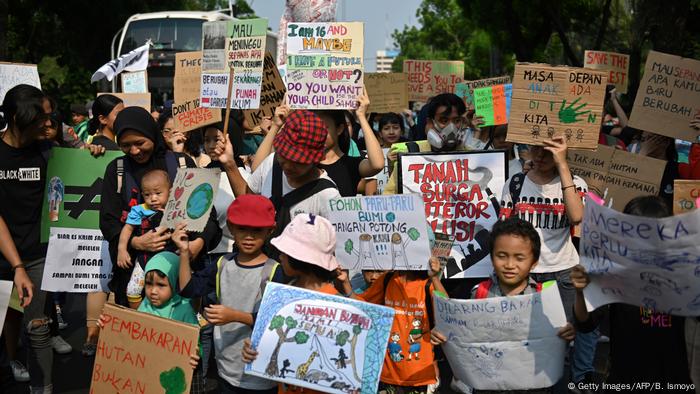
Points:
(200, 200)
(316, 344)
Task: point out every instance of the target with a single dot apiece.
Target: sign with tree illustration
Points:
(142, 353)
(319, 341)
(381, 233)
(556, 101)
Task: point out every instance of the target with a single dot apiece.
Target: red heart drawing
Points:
(190, 175)
(178, 192)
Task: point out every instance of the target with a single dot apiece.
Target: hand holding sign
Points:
(557, 146)
(152, 241)
(362, 105)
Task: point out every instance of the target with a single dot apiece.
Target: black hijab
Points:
(139, 120)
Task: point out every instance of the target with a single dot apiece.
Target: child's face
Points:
(249, 239)
(294, 170)
(288, 270)
(155, 192)
(158, 289)
(512, 259)
(211, 137)
(370, 276)
(391, 132)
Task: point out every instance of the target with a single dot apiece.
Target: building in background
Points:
(385, 59)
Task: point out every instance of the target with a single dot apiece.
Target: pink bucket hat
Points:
(309, 238)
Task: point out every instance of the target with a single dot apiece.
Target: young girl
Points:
(307, 248)
(162, 298)
(101, 127)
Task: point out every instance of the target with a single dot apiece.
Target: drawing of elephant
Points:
(314, 376)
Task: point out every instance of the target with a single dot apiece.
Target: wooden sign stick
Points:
(228, 100)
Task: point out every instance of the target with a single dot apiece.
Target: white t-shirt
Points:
(224, 198)
(543, 206)
(261, 182)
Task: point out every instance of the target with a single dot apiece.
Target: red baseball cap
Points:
(251, 210)
(303, 138)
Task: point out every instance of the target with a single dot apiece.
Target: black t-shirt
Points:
(345, 173)
(106, 142)
(22, 182)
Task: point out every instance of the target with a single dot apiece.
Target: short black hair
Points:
(391, 118)
(312, 269)
(520, 228)
(648, 206)
(448, 100)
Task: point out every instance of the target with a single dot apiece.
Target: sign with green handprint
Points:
(560, 101)
(381, 232)
(142, 353)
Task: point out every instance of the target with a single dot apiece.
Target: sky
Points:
(381, 18)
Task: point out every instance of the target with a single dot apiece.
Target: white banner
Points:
(77, 261)
(504, 343)
(380, 232)
(642, 261)
(135, 60)
(458, 190)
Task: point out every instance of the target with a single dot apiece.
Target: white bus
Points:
(170, 32)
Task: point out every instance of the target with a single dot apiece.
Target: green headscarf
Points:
(177, 308)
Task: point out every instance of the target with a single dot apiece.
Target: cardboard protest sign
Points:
(388, 92)
(142, 353)
(328, 343)
(457, 189)
(465, 90)
(239, 44)
(556, 101)
(134, 82)
(13, 74)
(668, 97)
(142, 100)
(617, 175)
(188, 114)
(380, 232)
(324, 65)
(271, 93)
(302, 11)
(504, 343)
(616, 64)
(685, 195)
(77, 261)
(443, 247)
(5, 293)
(191, 198)
(649, 262)
(493, 104)
(428, 78)
(73, 189)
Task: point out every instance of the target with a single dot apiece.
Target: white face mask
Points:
(448, 137)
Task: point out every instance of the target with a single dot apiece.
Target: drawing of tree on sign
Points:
(342, 339)
(277, 324)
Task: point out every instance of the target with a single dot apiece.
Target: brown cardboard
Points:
(553, 101)
(142, 100)
(617, 65)
(428, 78)
(685, 194)
(617, 174)
(271, 93)
(388, 92)
(137, 352)
(668, 97)
(187, 113)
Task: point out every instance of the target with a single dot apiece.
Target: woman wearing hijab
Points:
(140, 139)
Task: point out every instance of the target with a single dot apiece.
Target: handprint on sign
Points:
(570, 114)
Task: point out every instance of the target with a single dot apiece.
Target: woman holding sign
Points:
(140, 139)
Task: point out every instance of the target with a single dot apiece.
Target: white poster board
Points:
(77, 261)
(13, 74)
(191, 198)
(380, 232)
(458, 190)
(504, 343)
(641, 261)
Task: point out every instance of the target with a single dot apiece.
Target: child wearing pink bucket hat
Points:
(306, 247)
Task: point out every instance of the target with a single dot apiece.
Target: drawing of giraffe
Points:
(303, 369)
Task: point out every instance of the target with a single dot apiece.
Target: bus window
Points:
(167, 34)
